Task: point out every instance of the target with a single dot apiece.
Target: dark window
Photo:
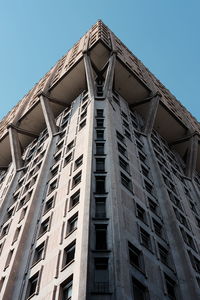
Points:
(4, 230)
(195, 262)
(8, 260)
(139, 290)
(164, 254)
(16, 235)
(54, 171)
(100, 122)
(101, 276)
(82, 124)
(145, 171)
(101, 236)
(142, 157)
(53, 186)
(153, 206)
(123, 164)
(32, 285)
(158, 228)
(148, 187)
(100, 184)
(66, 289)
(100, 134)
(69, 253)
(78, 162)
(135, 256)
(188, 239)
(141, 214)
(70, 145)
(120, 137)
(83, 115)
(68, 158)
(170, 285)
(100, 164)
(127, 134)
(72, 223)
(100, 211)
(124, 115)
(122, 150)
(99, 148)
(49, 204)
(126, 181)
(74, 199)
(76, 179)
(145, 238)
(44, 226)
(125, 124)
(99, 112)
(39, 253)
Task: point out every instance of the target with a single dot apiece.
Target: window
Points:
(53, 186)
(69, 253)
(123, 164)
(145, 238)
(195, 262)
(82, 124)
(145, 171)
(101, 236)
(74, 199)
(4, 230)
(99, 112)
(124, 115)
(54, 171)
(49, 204)
(72, 223)
(83, 115)
(39, 253)
(33, 285)
(99, 148)
(127, 134)
(126, 124)
(100, 122)
(8, 260)
(101, 276)
(76, 179)
(122, 150)
(100, 184)
(148, 187)
(164, 254)
(68, 158)
(16, 235)
(139, 290)
(70, 146)
(120, 137)
(158, 228)
(142, 157)
(100, 211)
(100, 164)
(188, 239)
(23, 213)
(153, 206)
(135, 256)
(141, 214)
(170, 286)
(78, 162)
(126, 181)
(100, 134)
(66, 289)
(44, 226)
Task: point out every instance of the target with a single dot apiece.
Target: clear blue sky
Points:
(164, 34)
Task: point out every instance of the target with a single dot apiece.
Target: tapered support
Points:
(15, 148)
(151, 115)
(48, 115)
(108, 86)
(192, 156)
(89, 75)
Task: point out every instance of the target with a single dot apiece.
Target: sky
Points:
(163, 34)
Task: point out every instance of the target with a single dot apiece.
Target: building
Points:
(99, 184)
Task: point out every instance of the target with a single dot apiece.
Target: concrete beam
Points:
(150, 119)
(89, 76)
(25, 132)
(53, 100)
(48, 115)
(191, 161)
(15, 148)
(108, 86)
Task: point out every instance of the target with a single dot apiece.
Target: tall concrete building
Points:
(99, 184)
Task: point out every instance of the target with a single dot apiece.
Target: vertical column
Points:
(151, 115)
(192, 156)
(48, 115)
(15, 148)
(89, 76)
(110, 76)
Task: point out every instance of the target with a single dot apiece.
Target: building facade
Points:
(99, 184)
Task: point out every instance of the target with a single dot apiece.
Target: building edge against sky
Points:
(99, 183)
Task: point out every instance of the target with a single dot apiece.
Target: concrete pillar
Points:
(15, 148)
(151, 115)
(89, 76)
(192, 156)
(48, 115)
(109, 76)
